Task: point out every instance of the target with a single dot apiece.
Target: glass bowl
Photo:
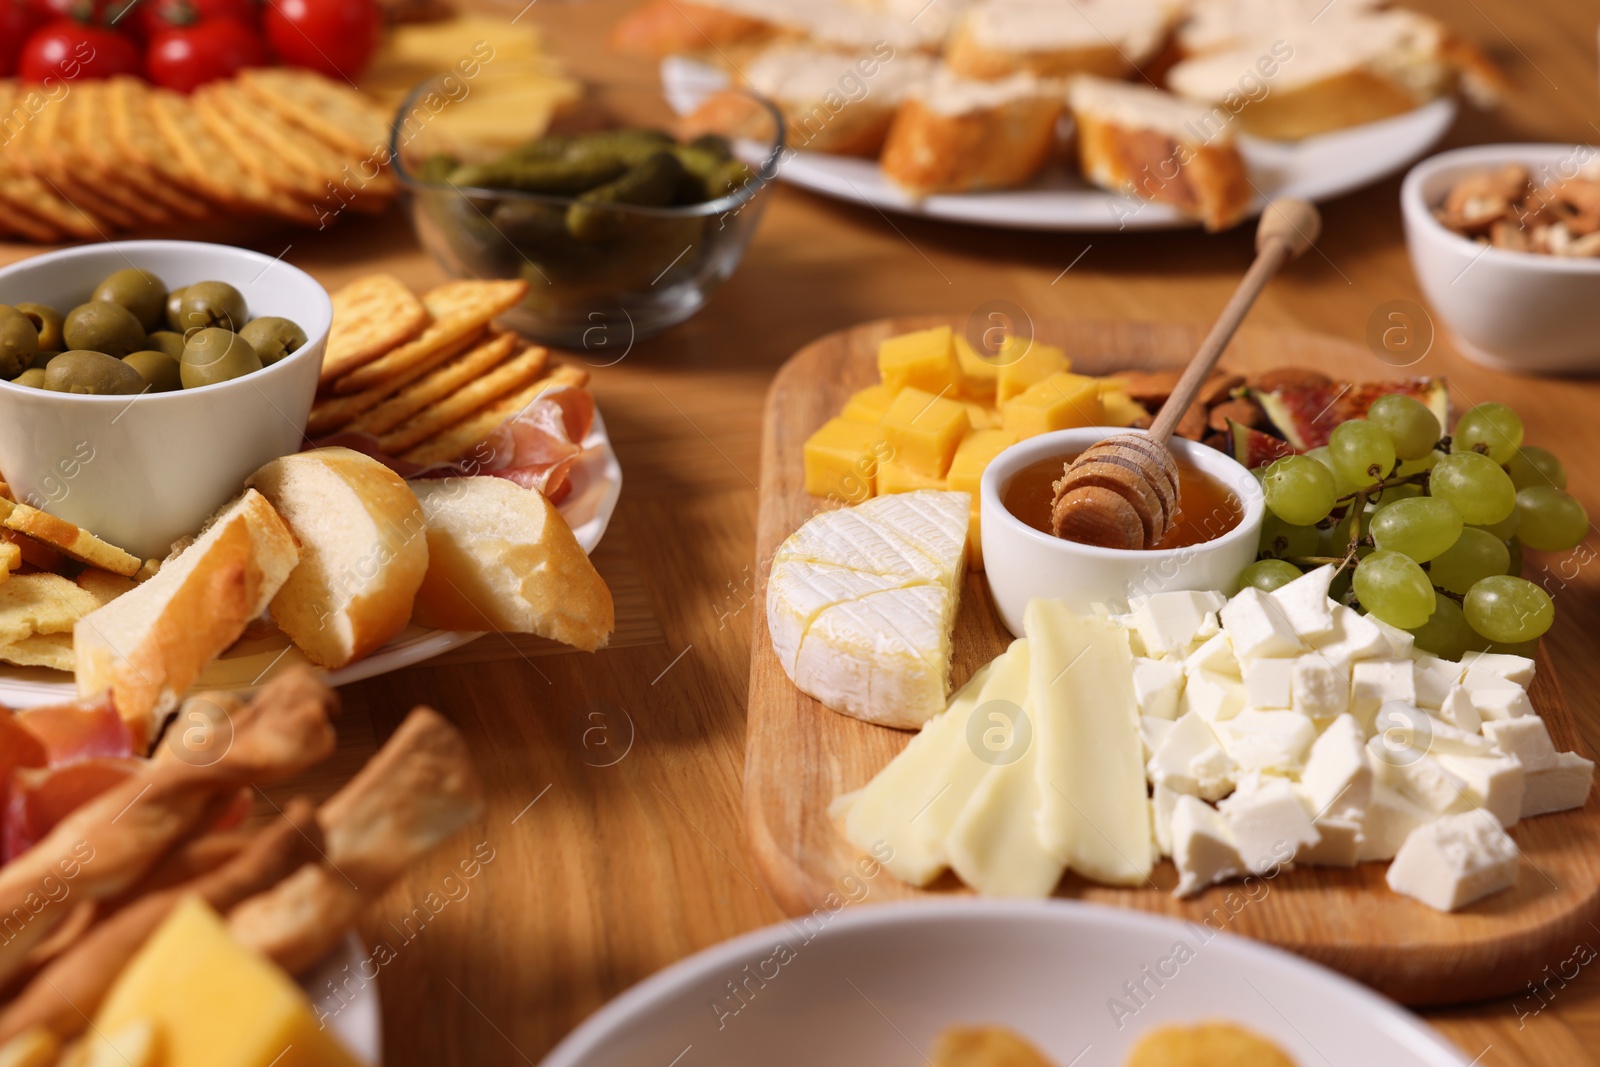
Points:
(635, 271)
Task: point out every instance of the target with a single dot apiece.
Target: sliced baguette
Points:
(363, 552)
(502, 558)
(149, 645)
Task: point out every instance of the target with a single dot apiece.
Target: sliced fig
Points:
(1307, 414)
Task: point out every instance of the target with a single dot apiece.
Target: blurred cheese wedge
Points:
(861, 601)
(214, 1003)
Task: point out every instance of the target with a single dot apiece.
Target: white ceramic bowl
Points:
(142, 471)
(1022, 563)
(875, 985)
(1514, 311)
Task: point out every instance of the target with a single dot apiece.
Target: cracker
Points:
(133, 130)
(371, 316)
(509, 376)
(63, 536)
(41, 604)
(458, 309)
(330, 413)
(337, 113)
(104, 586)
(292, 193)
(459, 439)
(41, 650)
(35, 151)
(82, 149)
(92, 122)
(10, 557)
(435, 386)
(211, 165)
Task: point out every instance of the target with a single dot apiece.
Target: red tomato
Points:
(67, 50)
(95, 12)
(186, 57)
(16, 22)
(156, 15)
(334, 37)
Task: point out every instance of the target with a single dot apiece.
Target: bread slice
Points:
(1053, 39)
(363, 551)
(149, 645)
(1222, 25)
(1135, 139)
(501, 557)
(958, 135)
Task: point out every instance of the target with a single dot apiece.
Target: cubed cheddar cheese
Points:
(1120, 408)
(981, 416)
(925, 359)
(979, 375)
(841, 460)
(974, 541)
(896, 477)
(1060, 402)
(868, 405)
(923, 431)
(1025, 363)
(214, 1003)
(977, 449)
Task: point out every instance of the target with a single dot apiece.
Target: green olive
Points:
(158, 369)
(102, 327)
(273, 338)
(137, 290)
(91, 372)
(19, 342)
(174, 299)
(217, 355)
(47, 320)
(42, 358)
(207, 304)
(33, 378)
(169, 341)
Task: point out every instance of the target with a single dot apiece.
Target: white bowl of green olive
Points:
(181, 368)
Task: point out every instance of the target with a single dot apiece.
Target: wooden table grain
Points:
(614, 780)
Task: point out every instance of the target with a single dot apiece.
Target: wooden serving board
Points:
(799, 755)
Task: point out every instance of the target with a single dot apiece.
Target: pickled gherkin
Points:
(652, 183)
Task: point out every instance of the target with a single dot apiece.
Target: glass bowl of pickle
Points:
(621, 218)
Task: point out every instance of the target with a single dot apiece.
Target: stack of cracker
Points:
(85, 160)
(428, 377)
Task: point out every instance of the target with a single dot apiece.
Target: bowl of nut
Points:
(142, 381)
(1505, 242)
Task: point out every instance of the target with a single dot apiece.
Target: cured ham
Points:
(71, 732)
(41, 797)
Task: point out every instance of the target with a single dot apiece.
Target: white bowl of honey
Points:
(1216, 535)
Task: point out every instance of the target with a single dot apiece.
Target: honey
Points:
(1207, 509)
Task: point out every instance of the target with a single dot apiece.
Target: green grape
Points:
(1335, 539)
(1361, 452)
(1476, 485)
(1514, 563)
(1550, 519)
(1393, 494)
(1395, 589)
(1409, 422)
(1321, 454)
(1299, 490)
(1279, 538)
(1492, 428)
(1505, 529)
(1268, 574)
(1446, 632)
(1507, 609)
(1533, 465)
(1475, 556)
(1408, 467)
(1421, 528)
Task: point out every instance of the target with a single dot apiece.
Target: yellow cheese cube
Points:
(841, 460)
(981, 416)
(1059, 402)
(978, 374)
(977, 449)
(923, 431)
(922, 360)
(895, 477)
(1025, 363)
(868, 405)
(214, 1003)
(974, 541)
(1120, 408)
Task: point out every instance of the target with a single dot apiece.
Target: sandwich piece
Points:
(1052, 39)
(1139, 140)
(149, 645)
(957, 135)
(501, 558)
(363, 552)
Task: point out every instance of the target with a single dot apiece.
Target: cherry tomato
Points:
(334, 37)
(156, 15)
(94, 12)
(67, 50)
(17, 20)
(186, 57)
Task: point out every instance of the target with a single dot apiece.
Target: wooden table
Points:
(603, 874)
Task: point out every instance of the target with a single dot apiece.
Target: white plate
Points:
(596, 485)
(346, 999)
(1316, 168)
(875, 984)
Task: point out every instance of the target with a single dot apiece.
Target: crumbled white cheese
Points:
(1402, 643)
(1526, 738)
(1268, 683)
(1268, 824)
(1211, 696)
(1338, 844)
(1493, 783)
(1257, 625)
(1518, 669)
(1215, 655)
(1190, 760)
(1390, 819)
(1559, 787)
(1203, 848)
(1449, 863)
(1458, 709)
(1275, 741)
(1337, 776)
(1321, 687)
(1353, 637)
(1375, 682)
(1497, 703)
(1305, 602)
(1157, 684)
(1434, 678)
(1167, 622)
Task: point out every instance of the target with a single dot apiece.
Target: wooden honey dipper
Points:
(1122, 492)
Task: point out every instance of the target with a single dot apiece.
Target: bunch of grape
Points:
(1430, 530)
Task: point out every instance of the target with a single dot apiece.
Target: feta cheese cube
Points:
(1151, 732)
(1163, 802)
(1492, 783)
(1419, 777)
(1498, 703)
(1375, 682)
(1215, 655)
(1168, 622)
(1320, 686)
(1276, 741)
(1256, 624)
(1305, 602)
(1190, 760)
(1338, 777)
(1338, 844)
(1389, 820)
(1433, 678)
(1267, 683)
(1203, 848)
(1449, 863)
(1442, 738)
(1211, 696)
(1402, 643)
(1210, 626)
(1268, 824)
(1480, 679)
(1457, 708)
(1559, 787)
(1157, 684)
(1526, 738)
(1353, 637)
(1517, 669)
